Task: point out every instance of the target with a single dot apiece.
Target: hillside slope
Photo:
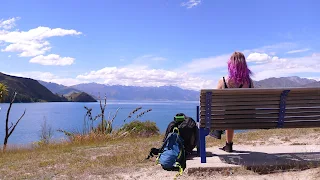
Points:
(28, 90)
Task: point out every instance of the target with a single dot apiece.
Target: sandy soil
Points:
(157, 173)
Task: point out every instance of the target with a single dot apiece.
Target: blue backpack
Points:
(172, 154)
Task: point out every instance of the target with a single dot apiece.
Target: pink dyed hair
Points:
(238, 68)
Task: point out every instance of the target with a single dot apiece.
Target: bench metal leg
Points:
(201, 144)
(203, 132)
(198, 134)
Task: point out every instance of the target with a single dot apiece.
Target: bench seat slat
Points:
(260, 125)
(261, 111)
(240, 116)
(263, 106)
(261, 98)
(247, 116)
(277, 102)
(265, 119)
(257, 95)
(235, 112)
(236, 91)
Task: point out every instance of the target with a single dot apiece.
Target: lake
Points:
(70, 116)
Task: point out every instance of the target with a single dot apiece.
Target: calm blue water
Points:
(70, 116)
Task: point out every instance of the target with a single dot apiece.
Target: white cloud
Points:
(191, 3)
(279, 67)
(158, 59)
(147, 58)
(298, 51)
(28, 48)
(146, 77)
(48, 77)
(66, 81)
(34, 75)
(9, 23)
(204, 64)
(272, 49)
(31, 43)
(52, 59)
(314, 78)
(258, 57)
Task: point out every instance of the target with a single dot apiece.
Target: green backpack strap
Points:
(176, 130)
(178, 165)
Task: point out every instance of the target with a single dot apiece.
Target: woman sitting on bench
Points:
(239, 77)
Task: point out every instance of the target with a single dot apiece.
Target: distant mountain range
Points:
(58, 88)
(118, 92)
(293, 81)
(30, 90)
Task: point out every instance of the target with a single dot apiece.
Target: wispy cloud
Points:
(202, 65)
(147, 60)
(9, 23)
(314, 78)
(272, 49)
(298, 51)
(31, 43)
(149, 57)
(52, 59)
(191, 3)
(48, 77)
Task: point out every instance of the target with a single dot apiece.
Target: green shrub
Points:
(139, 128)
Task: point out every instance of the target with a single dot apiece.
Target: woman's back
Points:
(229, 83)
(226, 82)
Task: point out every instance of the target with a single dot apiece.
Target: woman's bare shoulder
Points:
(220, 83)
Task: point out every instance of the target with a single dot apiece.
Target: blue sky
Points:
(160, 42)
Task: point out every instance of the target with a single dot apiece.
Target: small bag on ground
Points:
(172, 154)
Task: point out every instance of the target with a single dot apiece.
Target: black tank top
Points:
(225, 84)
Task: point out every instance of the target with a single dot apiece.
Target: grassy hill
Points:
(28, 90)
(80, 97)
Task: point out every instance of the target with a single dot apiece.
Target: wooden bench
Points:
(246, 108)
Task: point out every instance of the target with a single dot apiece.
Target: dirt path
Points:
(157, 173)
